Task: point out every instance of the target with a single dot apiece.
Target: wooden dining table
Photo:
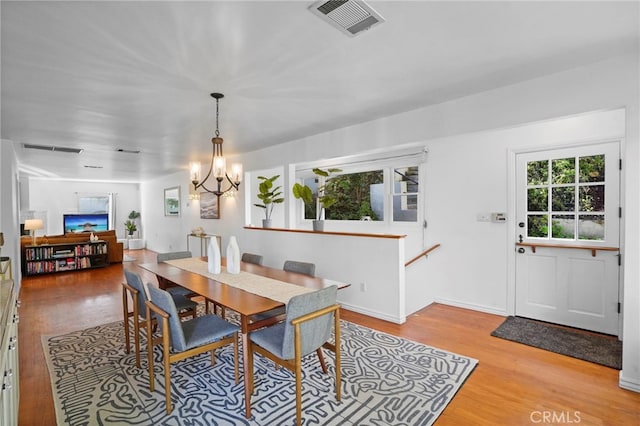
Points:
(245, 303)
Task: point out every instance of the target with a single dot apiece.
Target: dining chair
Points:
(184, 339)
(289, 266)
(307, 329)
(173, 255)
(256, 259)
(300, 267)
(136, 290)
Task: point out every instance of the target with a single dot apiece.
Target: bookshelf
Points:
(51, 258)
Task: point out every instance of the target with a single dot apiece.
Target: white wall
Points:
(9, 209)
(484, 184)
(474, 266)
(57, 197)
(255, 215)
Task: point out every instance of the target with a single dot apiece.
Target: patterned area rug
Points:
(386, 381)
(598, 348)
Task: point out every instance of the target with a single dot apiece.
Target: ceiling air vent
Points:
(349, 16)
(54, 148)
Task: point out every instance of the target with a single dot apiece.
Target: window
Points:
(359, 196)
(367, 192)
(405, 194)
(89, 203)
(565, 198)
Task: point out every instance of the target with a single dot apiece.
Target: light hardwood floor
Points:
(512, 385)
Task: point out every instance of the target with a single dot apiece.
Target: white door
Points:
(567, 226)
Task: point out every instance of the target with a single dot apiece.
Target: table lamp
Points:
(33, 225)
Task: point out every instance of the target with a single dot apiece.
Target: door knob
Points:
(521, 250)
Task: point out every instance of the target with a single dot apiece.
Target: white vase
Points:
(233, 256)
(213, 256)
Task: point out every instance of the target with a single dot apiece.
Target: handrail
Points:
(424, 253)
(592, 249)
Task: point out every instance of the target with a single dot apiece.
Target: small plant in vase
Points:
(131, 227)
(270, 196)
(325, 197)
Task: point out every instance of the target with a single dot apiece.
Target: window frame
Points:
(387, 165)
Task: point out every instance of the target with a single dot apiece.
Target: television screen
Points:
(85, 222)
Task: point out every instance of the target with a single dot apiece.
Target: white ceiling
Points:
(104, 76)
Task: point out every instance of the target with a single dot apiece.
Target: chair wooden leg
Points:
(337, 352)
(125, 309)
(248, 369)
(235, 357)
(167, 364)
(298, 371)
(150, 352)
(321, 359)
(136, 339)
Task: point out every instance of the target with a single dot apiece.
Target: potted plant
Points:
(134, 215)
(131, 227)
(269, 195)
(325, 197)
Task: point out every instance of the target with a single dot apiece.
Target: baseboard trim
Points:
(627, 384)
(472, 306)
(375, 314)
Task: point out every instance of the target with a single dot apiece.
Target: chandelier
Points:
(218, 166)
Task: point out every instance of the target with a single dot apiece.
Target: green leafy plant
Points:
(134, 214)
(130, 226)
(325, 195)
(269, 195)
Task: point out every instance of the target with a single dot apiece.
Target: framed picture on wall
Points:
(209, 206)
(172, 201)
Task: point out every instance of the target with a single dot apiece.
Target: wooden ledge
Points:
(342, 234)
(593, 249)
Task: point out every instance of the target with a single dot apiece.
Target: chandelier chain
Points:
(217, 115)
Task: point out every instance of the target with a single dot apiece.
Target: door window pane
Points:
(563, 226)
(563, 199)
(592, 168)
(591, 227)
(591, 198)
(537, 225)
(537, 172)
(537, 199)
(564, 170)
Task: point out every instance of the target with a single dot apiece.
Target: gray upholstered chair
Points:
(138, 295)
(307, 328)
(300, 267)
(183, 339)
(252, 258)
(176, 289)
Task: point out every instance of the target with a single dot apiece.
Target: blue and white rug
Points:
(387, 380)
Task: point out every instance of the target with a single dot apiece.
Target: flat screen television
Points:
(85, 222)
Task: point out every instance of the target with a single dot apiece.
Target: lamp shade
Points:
(33, 224)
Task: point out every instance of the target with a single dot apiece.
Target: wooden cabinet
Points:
(9, 385)
(49, 258)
